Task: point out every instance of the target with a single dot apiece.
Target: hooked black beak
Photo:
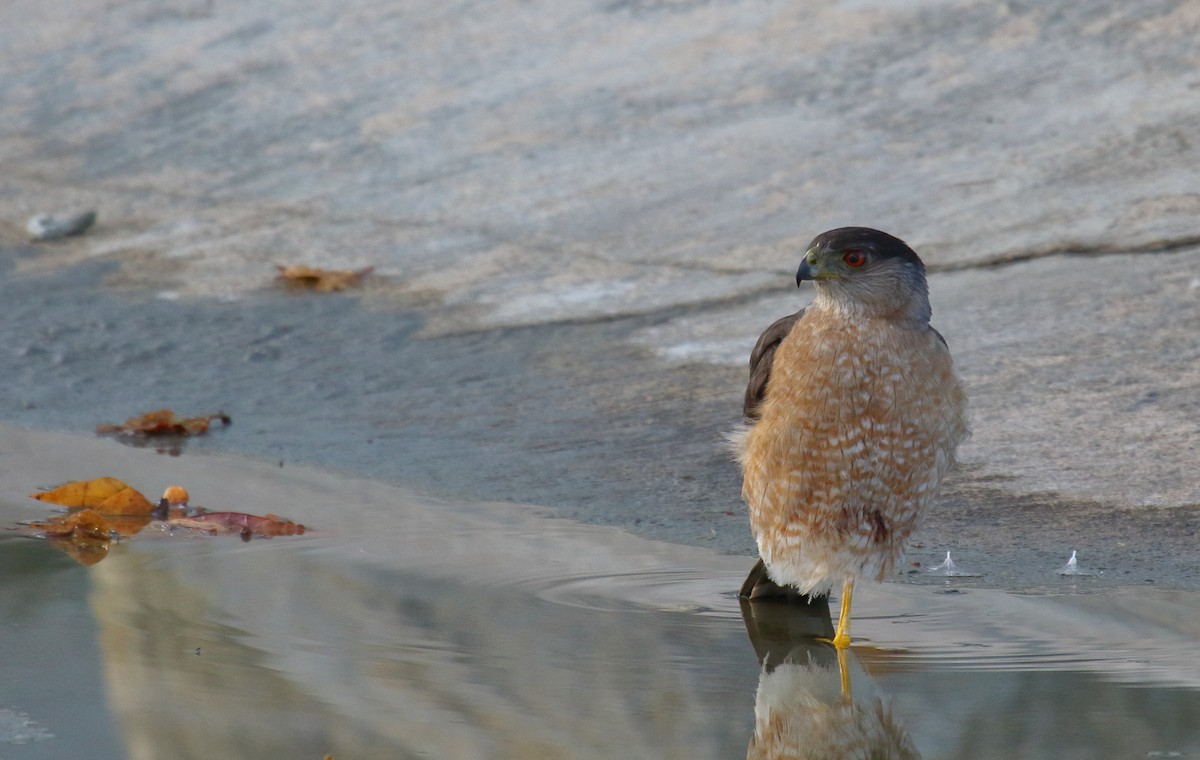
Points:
(806, 272)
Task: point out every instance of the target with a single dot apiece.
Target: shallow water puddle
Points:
(405, 627)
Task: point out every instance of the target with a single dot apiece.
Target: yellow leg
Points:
(844, 669)
(842, 639)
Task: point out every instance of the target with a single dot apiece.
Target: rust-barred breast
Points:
(860, 416)
(858, 427)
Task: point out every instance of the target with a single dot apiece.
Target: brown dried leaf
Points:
(105, 505)
(82, 493)
(192, 523)
(240, 522)
(163, 422)
(321, 280)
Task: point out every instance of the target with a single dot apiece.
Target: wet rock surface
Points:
(581, 214)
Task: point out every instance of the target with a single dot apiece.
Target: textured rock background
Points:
(605, 201)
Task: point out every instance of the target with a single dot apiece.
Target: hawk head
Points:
(866, 271)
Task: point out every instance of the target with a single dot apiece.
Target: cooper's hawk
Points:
(855, 414)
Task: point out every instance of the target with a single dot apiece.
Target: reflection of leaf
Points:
(82, 493)
(83, 535)
(92, 524)
(85, 551)
(321, 280)
(86, 523)
(163, 422)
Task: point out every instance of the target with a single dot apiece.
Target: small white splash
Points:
(949, 568)
(1072, 567)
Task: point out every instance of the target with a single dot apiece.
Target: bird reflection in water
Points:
(814, 701)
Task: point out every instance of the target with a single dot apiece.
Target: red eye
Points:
(854, 257)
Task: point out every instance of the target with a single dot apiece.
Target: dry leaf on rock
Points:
(320, 280)
(163, 422)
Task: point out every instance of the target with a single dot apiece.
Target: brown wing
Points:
(761, 360)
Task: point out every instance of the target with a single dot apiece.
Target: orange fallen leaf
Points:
(163, 422)
(321, 280)
(108, 496)
(82, 493)
(126, 502)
